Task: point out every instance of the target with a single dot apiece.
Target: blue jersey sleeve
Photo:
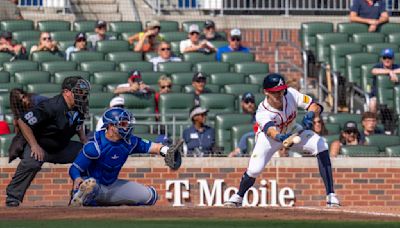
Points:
(142, 146)
(82, 162)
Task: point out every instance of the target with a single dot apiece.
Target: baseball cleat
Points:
(234, 201)
(332, 200)
(84, 194)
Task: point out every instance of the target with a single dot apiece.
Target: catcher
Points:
(96, 168)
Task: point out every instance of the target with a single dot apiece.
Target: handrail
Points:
(323, 89)
(366, 96)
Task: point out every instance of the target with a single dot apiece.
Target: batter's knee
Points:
(153, 197)
(321, 146)
(254, 172)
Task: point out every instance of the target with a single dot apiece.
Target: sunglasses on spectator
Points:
(167, 86)
(249, 101)
(317, 121)
(200, 80)
(236, 39)
(193, 33)
(385, 57)
(81, 40)
(46, 38)
(350, 132)
(165, 49)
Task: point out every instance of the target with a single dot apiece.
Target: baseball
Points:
(296, 139)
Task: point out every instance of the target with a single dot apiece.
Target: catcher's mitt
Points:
(173, 158)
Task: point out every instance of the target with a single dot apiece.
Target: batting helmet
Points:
(120, 118)
(274, 82)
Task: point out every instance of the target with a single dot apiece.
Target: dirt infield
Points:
(128, 213)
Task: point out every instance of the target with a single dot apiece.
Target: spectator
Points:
(79, 45)
(194, 43)
(209, 32)
(348, 136)
(199, 138)
(164, 55)
(115, 102)
(319, 126)
(135, 84)
(234, 44)
(6, 45)
(385, 67)
(370, 12)
(369, 122)
(165, 86)
(199, 84)
(9, 10)
(148, 39)
(248, 107)
(46, 43)
(101, 34)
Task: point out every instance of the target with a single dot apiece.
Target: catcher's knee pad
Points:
(153, 197)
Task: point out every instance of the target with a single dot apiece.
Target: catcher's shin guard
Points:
(154, 196)
(85, 194)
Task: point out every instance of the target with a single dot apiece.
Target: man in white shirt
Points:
(194, 44)
(164, 55)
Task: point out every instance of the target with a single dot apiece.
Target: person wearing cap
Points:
(385, 67)
(135, 84)
(79, 45)
(194, 43)
(46, 43)
(235, 45)
(101, 34)
(115, 102)
(9, 10)
(148, 39)
(199, 138)
(209, 32)
(6, 45)
(199, 85)
(348, 136)
(164, 55)
(370, 12)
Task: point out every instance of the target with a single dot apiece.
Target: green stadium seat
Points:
(58, 66)
(84, 26)
(237, 131)
(223, 127)
(187, 24)
(7, 87)
(124, 56)
(332, 128)
(366, 77)
(309, 31)
(237, 57)
(218, 44)
(86, 56)
(359, 151)
(43, 88)
(45, 56)
(140, 106)
(238, 89)
(330, 138)
(323, 44)
(20, 65)
(212, 67)
(251, 142)
(174, 36)
(217, 103)
(384, 93)
(342, 118)
(63, 45)
(54, 25)
(150, 55)
(96, 88)
(97, 66)
(63, 35)
(368, 38)
(4, 77)
(208, 88)
(168, 26)
(99, 102)
(109, 77)
(389, 28)
(148, 136)
(5, 57)
(107, 46)
(354, 63)
(174, 67)
(256, 79)
(392, 151)
(5, 102)
(125, 35)
(175, 103)
(196, 57)
(396, 97)
(5, 143)
(175, 48)
(60, 76)
(125, 26)
(251, 68)
(16, 25)
(382, 140)
(150, 77)
(28, 45)
(378, 47)
(350, 28)
(338, 55)
(394, 38)
(139, 65)
(32, 77)
(182, 78)
(227, 78)
(26, 35)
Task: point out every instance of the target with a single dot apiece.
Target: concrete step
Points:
(40, 15)
(99, 16)
(95, 8)
(93, 1)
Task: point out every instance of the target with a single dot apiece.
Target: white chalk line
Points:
(351, 211)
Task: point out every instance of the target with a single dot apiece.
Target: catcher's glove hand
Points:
(173, 158)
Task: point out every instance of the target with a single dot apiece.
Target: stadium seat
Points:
(378, 47)
(6, 87)
(63, 45)
(94, 88)
(141, 107)
(107, 46)
(98, 102)
(196, 57)
(174, 36)
(388, 28)
(218, 44)
(359, 151)
(97, 66)
(26, 35)
(125, 35)
(54, 25)
(58, 66)
(175, 103)
(109, 77)
(174, 67)
(45, 56)
(323, 44)
(139, 65)
(212, 67)
(384, 93)
(16, 25)
(308, 32)
(251, 142)
(396, 101)
(182, 78)
(394, 38)
(217, 103)
(256, 79)
(350, 28)
(392, 151)
(332, 128)
(251, 68)
(238, 89)
(223, 127)
(32, 77)
(168, 26)
(5, 57)
(125, 26)
(175, 48)
(338, 55)
(354, 63)
(5, 143)
(43, 88)
(124, 56)
(63, 35)
(60, 76)
(20, 65)
(368, 38)
(86, 56)
(366, 77)
(151, 77)
(227, 78)
(237, 131)
(208, 88)
(5, 102)
(342, 118)
(149, 55)
(187, 24)
(382, 140)
(4, 77)
(84, 26)
(237, 57)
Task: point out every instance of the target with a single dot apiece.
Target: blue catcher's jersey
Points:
(103, 159)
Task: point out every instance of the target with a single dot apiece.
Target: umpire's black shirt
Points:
(53, 124)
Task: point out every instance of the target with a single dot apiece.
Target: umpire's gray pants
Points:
(29, 167)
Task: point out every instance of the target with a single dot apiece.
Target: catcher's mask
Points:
(122, 119)
(81, 96)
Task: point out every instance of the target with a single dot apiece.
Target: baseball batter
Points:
(95, 170)
(276, 119)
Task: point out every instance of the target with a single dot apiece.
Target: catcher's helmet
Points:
(120, 118)
(274, 82)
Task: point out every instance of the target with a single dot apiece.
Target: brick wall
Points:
(358, 181)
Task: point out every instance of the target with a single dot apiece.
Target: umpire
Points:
(48, 129)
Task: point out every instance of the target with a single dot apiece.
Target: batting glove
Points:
(282, 137)
(308, 120)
